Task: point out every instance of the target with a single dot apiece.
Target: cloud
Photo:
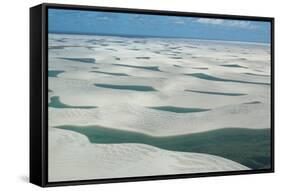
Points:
(138, 18)
(104, 16)
(227, 23)
(240, 24)
(179, 20)
(210, 21)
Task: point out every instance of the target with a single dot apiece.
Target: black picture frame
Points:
(39, 93)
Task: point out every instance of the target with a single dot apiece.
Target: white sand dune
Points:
(168, 92)
(163, 123)
(231, 79)
(72, 157)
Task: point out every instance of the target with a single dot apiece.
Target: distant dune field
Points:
(122, 107)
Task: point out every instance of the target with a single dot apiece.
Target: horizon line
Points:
(154, 36)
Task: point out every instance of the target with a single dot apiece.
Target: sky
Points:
(126, 24)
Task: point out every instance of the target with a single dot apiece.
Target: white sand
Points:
(72, 157)
(162, 123)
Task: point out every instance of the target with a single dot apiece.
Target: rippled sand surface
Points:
(157, 87)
